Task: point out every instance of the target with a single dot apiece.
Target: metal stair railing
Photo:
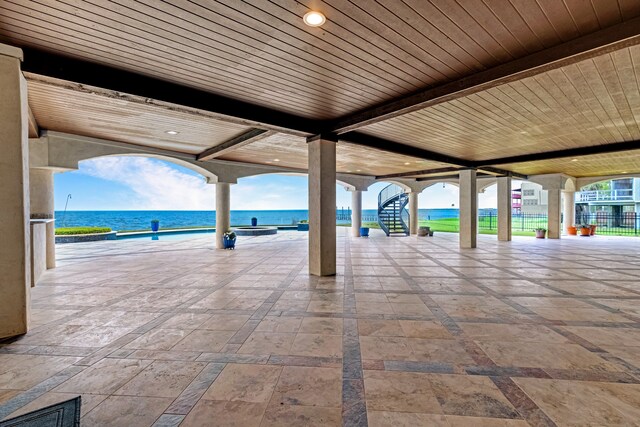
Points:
(392, 215)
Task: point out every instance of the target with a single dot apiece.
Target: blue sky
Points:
(140, 183)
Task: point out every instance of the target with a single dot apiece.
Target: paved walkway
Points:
(410, 332)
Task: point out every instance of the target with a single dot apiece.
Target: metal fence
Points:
(347, 217)
(622, 224)
(519, 222)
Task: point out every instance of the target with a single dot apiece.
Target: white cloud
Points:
(267, 196)
(153, 184)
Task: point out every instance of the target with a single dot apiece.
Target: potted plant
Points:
(254, 221)
(303, 225)
(229, 239)
(541, 233)
(593, 229)
(585, 230)
(155, 225)
(572, 230)
(364, 231)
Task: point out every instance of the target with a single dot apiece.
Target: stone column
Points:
(15, 255)
(553, 213)
(356, 212)
(413, 213)
(504, 208)
(322, 207)
(569, 210)
(468, 209)
(42, 207)
(223, 211)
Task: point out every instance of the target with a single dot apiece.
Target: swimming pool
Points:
(168, 235)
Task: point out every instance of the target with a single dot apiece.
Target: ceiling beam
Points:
(34, 130)
(378, 143)
(502, 172)
(420, 172)
(601, 42)
(234, 143)
(558, 154)
(114, 79)
(445, 177)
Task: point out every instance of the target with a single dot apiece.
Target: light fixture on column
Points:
(314, 19)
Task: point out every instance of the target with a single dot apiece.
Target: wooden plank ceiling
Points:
(596, 101)
(624, 162)
(261, 51)
(367, 53)
(63, 107)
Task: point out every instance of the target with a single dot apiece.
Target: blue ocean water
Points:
(139, 220)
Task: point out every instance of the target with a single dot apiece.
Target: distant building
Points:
(616, 203)
(532, 199)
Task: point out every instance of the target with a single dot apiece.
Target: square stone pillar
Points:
(468, 209)
(223, 211)
(322, 207)
(41, 194)
(568, 210)
(356, 212)
(413, 213)
(553, 213)
(15, 254)
(504, 208)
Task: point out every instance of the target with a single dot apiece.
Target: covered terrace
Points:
(408, 91)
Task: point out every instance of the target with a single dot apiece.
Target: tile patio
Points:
(410, 332)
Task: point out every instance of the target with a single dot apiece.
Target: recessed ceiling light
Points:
(574, 160)
(314, 19)
(624, 172)
(172, 132)
(276, 160)
(407, 163)
(358, 170)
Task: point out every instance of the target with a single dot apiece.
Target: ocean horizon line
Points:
(233, 210)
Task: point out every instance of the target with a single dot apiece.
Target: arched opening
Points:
(439, 206)
(126, 192)
(611, 204)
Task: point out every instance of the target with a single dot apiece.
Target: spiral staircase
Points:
(393, 216)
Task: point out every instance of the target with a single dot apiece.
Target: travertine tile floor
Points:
(412, 331)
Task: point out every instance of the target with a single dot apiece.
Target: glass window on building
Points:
(622, 184)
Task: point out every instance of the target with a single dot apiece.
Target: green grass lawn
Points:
(65, 231)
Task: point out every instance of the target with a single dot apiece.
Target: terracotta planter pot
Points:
(593, 229)
(573, 231)
(585, 231)
(540, 234)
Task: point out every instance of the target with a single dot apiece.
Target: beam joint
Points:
(234, 143)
